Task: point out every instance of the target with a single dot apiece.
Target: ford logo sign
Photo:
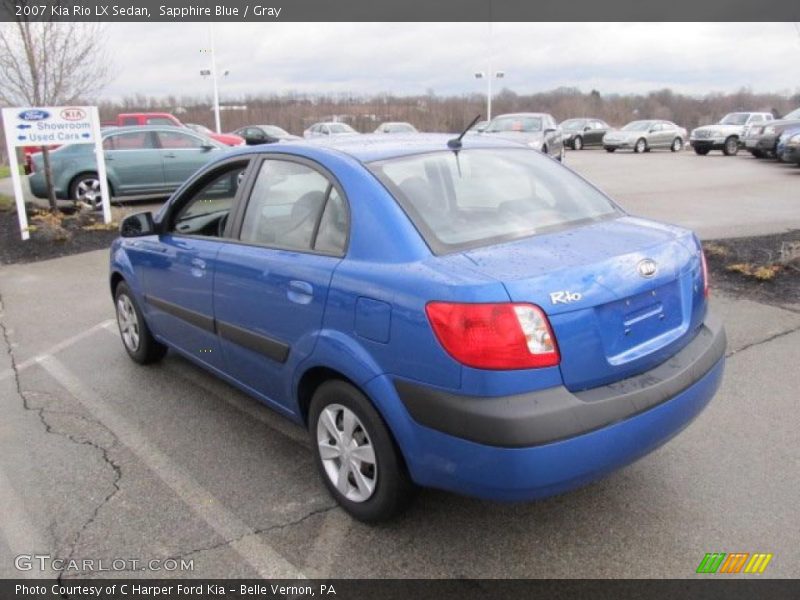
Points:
(647, 267)
(34, 115)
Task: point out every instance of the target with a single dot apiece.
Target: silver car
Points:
(537, 130)
(396, 127)
(326, 129)
(727, 135)
(643, 136)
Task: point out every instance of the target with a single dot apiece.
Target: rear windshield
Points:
(479, 197)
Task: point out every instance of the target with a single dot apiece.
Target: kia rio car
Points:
(465, 315)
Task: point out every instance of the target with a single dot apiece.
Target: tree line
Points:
(430, 112)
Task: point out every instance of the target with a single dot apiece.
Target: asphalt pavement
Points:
(101, 458)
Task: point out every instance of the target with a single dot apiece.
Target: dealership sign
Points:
(53, 126)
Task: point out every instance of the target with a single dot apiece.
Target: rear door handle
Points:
(170, 155)
(300, 292)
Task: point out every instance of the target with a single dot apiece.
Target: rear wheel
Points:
(139, 343)
(641, 145)
(610, 149)
(677, 145)
(85, 188)
(356, 455)
(731, 146)
(701, 151)
(577, 143)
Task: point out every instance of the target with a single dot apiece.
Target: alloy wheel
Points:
(88, 191)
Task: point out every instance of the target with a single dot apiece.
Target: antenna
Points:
(455, 143)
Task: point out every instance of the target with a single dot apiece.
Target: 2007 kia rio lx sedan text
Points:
(474, 318)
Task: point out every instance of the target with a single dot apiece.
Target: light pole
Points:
(213, 73)
(491, 75)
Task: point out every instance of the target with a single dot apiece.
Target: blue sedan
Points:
(465, 315)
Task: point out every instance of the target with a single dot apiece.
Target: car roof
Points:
(135, 128)
(522, 114)
(373, 147)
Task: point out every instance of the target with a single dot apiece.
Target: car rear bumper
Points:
(535, 445)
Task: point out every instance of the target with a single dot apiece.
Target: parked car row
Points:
(762, 140)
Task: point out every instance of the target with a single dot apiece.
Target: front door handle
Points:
(300, 292)
(170, 155)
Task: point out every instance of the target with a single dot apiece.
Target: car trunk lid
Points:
(612, 317)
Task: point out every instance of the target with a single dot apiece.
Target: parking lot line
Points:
(262, 557)
(55, 349)
(17, 530)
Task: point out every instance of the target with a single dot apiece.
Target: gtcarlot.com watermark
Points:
(46, 562)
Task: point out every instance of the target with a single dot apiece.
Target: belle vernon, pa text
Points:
(207, 590)
(178, 13)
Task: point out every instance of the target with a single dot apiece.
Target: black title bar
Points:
(400, 10)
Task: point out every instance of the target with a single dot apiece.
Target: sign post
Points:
(53, 126)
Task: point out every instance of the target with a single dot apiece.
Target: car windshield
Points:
(734, 119)
(795, 114)
(341, 128)
(199, 128)
(515, 123)
(573, 124)
(478, 197)
(637, 126)
(275, 131)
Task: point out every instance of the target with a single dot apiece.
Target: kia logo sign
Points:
(34, 115)
(73, 114)
(647, 267)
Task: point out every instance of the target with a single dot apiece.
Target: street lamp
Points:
(495, 75)
(213, 73)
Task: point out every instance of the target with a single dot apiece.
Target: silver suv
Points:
(727, 134)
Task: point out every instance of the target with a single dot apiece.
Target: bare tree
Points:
(48, 63)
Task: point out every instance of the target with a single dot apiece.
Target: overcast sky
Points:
(158, 59)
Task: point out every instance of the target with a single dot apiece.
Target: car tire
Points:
(577, 143)
(85, 188)
(139, 342)
(640, 146)
(610, 149)
(677, 145)
(757, 153)
(701, 151)
(370, 491)
(731, 146)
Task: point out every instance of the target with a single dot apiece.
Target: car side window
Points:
(135, 140)
(286, 206)
(130, 121)
(175, 140)
(206, 211)
(756, 119)
(332, 234)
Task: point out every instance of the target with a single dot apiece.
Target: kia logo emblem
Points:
(73, 114)
(647, 267)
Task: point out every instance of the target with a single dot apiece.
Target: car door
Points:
(271, 289)
(133, 162)
(594, 137)
(177, 267)
(182, 154)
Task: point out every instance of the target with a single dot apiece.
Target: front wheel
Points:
(356, 455)
(139, 343)
(677, 145)
(641, 146)
(577, 143)
(610, 149)
(731, 146)
(701, 151)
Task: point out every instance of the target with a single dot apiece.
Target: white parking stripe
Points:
(20, 535)
(332, 533)
(57, 348)
(264, 559)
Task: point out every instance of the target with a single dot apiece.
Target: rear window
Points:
(483, 196)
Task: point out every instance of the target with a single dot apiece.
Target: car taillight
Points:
(705, 273)
(494, 336)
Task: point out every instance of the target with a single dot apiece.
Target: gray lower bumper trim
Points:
(554, 414)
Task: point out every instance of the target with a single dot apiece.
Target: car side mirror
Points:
(207, 147)
(587, 128)
(549, 130)
(137, 225)
(652, 130)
